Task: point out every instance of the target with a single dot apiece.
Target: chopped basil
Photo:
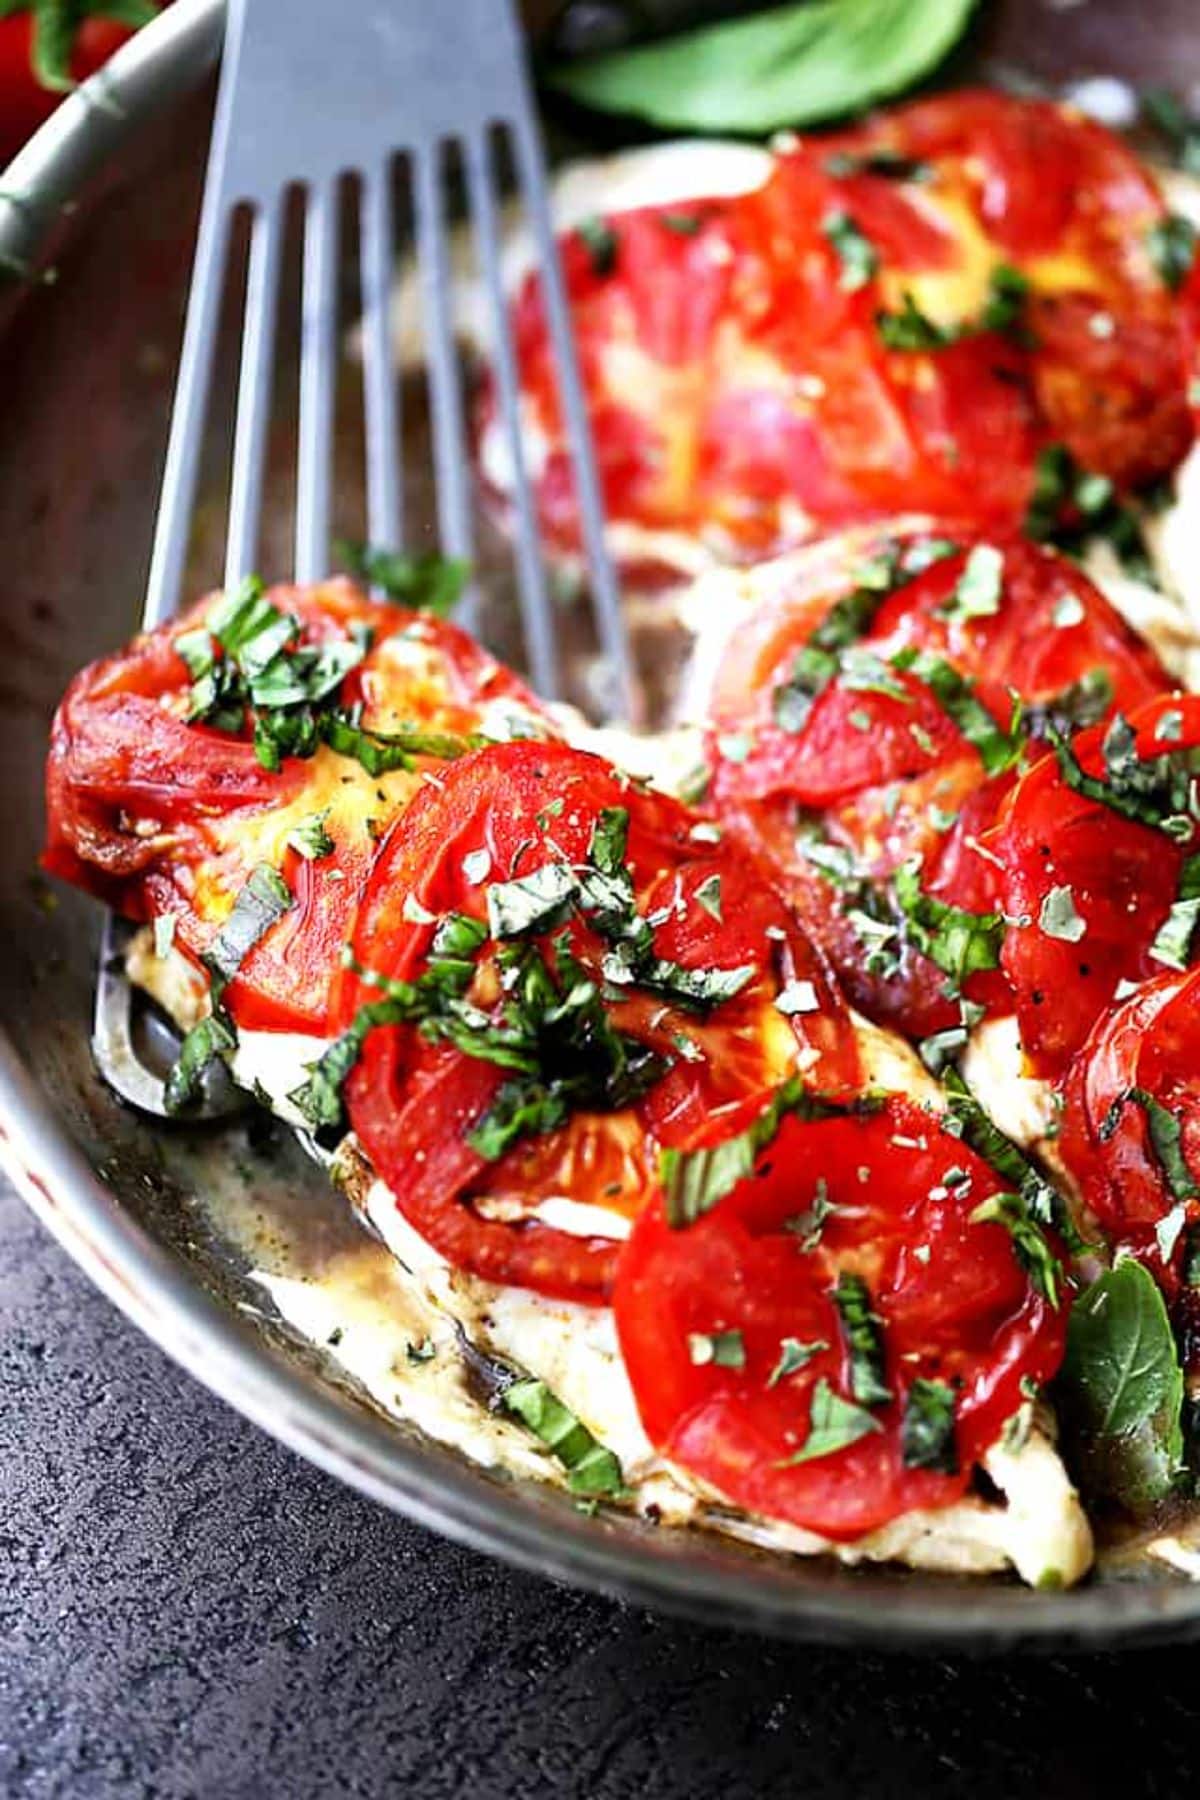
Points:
(794, 1355)
(430, 583)
(1003, 311)
(977, 591)
(600, 241)
(855, 251)
(1180, 130)
(1070, 505)
(821, 659)
(927, 1428)
(1083, 703)
(958, 941)
(610, 839)
(1040, 1203)
(421, 1352)
(1059, 918)
(1173, 941)
(695, 1180)
(863, 1334)
(1165, 1131)
(725, 1349)
(910, 328)
(1159, 791)
(310, 839)
(264, 898)
(998, 748)
(884, 163)
(288, 689)
(708, 896)
(212, 1037)
(1120, 1391)
(1171, 243)
(834, 1424)
(531, 903)
(591, 1468)
(1028, 1239)
(683, 224)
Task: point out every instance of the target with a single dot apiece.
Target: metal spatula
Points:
(313, 90)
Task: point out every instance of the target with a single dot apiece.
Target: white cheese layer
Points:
(1039, 1530)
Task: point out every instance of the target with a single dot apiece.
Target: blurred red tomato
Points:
(77, 37)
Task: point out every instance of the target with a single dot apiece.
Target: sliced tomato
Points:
(740, 387)
(1143, 1052)
(876, 759)
(414, 1100)
(155, 814)
(952, 1302)
(1085, 890)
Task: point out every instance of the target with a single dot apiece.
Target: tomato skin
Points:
(1150, 1041)
(744, 398)
(413, 1102)
(888, 779)
(155, 815)
(24, 102)
(964, 1313)
(1123, 878)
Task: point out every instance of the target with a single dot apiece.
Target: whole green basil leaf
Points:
(1120, 1391)
(789, 65)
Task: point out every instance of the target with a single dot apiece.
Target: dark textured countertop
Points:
(186, 1609)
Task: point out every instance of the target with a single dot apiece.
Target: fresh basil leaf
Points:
(958, 941)
(998, 748)
(591, 1468)
(430, 583)
(795, 65)
(978, 590)
(213, 1037)
(1157, 791)
(610, 838)
(1084, 703)
(927, 1427)
(1171, 244)
(319, 1099)
(309, 838)
(1180, 130)
(601, 243)
(531, 903)
(1120, 1391)
(1058, 916)
(1165, 1131)
(695, 1180)
(863, 1334)
(910, 328)
(263, 899)
(794, 1355)
(1176, 935)
(855, 251)
(834, 1424)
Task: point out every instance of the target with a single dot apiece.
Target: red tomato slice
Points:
(1149, 1042)
(510, 811)
(953, 1303)
(743, 394)
(156, 815)
(1086, 890)
(890, 774)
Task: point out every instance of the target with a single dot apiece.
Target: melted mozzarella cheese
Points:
(670, 174)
